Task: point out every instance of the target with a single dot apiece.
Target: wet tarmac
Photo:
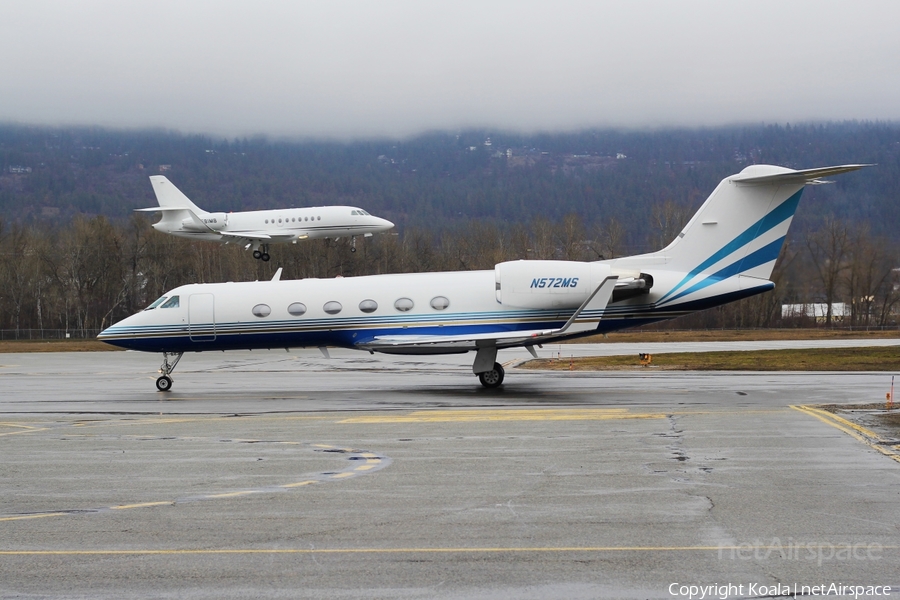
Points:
(287, 475)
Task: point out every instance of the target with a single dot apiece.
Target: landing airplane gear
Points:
(164, 382)
(261, 254)
(492, 378)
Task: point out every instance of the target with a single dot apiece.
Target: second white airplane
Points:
(257, 229)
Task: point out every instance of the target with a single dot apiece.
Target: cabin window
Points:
(171, 303)
(404, 304)
(333, 307)
(368, 306)
(319, 218)
(439, 303)
(262, 310)
(156, 303)
(279, 220)
(267, 221)
(354, 212)
(297, 309)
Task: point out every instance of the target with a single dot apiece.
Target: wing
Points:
(585, 318)
(261, 236)
(160, 209)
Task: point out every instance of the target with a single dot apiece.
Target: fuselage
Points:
(282, 224)
(350, 312)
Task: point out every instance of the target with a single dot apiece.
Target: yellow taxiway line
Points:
(486, 415)
(858, 432)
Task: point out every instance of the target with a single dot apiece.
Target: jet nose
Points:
(384, 224)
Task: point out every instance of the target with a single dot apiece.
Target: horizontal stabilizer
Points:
(803, 176)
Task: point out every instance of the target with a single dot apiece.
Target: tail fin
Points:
(740, 229)
(170, 197)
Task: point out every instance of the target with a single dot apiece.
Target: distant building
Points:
(163, 168)
(19, 170)
(816, 310)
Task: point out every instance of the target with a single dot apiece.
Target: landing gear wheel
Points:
(164, 383)
(352, 248)
(257, 254)
(492, 378)
(265, 257)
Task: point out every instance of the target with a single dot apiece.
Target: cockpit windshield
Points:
(156, 303)
(170, 302)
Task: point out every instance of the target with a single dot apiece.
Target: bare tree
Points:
(828, 248)
(870, 267)
(666, 221)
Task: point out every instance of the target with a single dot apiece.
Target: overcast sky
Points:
(363, 69)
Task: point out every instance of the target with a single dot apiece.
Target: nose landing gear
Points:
(164, 382)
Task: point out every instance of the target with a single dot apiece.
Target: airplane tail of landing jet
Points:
(726, 252)
(179, 213)
(170, 197)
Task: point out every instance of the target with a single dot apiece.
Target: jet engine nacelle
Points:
(545, 284)
(214, 221)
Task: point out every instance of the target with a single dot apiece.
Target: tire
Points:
(492, 378)
(257, 254)
(164, 383)
(265, 257)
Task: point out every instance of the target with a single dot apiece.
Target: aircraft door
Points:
(201, 317)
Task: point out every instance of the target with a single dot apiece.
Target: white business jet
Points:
(257, 229)
(726, 252)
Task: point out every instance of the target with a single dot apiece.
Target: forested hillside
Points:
(74, 256)
(441, 179)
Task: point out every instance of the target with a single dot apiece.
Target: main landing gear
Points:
(492, 378)
(261, 252)
(164, 382)
(353, 243)
(489, 371)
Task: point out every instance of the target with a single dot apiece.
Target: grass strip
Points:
(818, 359)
